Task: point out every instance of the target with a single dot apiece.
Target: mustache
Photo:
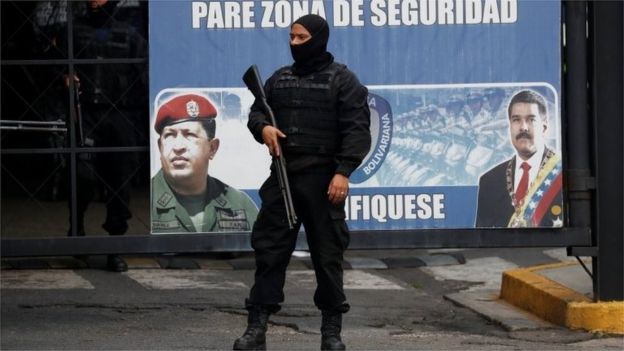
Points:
(524, 135)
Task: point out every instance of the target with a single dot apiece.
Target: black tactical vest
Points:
(305, 110)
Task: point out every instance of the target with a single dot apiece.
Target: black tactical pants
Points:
(274, 242)
(113, 171)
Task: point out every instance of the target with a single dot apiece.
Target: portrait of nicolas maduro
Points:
(525, 190)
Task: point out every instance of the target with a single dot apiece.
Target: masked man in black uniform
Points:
(323, 118)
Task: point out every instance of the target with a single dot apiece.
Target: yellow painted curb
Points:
(558, 304)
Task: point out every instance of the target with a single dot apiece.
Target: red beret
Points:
(182, 108)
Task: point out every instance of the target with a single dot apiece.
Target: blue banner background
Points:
(525, 51)
(451, 59)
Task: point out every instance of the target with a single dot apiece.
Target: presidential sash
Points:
(538, 200)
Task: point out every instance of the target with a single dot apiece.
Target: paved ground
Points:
(406, 306)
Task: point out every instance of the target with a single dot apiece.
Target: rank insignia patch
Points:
(228, 219)
(164, 199)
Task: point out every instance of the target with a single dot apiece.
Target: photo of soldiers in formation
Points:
(446, 136)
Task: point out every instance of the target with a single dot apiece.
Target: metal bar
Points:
(35, 129)
(1, 55)
(68, 150)
(585, 267)
(589, 251)
(398, 239)
(470, 238)
(73, 162)
(46, 123)
(67, 61)
(52, 126)
(576, 115)
(607, 108)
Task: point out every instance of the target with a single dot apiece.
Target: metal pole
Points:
(579, 179)
(1, 136)
(72, 126)
(577, 115)
(608, 114)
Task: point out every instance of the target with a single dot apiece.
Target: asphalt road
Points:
(150, 308)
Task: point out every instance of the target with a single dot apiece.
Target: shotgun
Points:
(254, 83)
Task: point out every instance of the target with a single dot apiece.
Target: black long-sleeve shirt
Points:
(353, 124)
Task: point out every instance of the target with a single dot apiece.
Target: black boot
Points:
(114, 263)
(330, 331)
(254, 337)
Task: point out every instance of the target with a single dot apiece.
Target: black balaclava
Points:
(312, 55)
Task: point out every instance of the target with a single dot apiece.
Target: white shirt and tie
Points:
(534, 163)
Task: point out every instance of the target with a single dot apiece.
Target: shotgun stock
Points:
(254, 83)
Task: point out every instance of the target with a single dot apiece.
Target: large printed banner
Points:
(462, 94)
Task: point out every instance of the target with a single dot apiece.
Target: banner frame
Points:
(239, 241)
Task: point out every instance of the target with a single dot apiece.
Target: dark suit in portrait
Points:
(543, 205)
